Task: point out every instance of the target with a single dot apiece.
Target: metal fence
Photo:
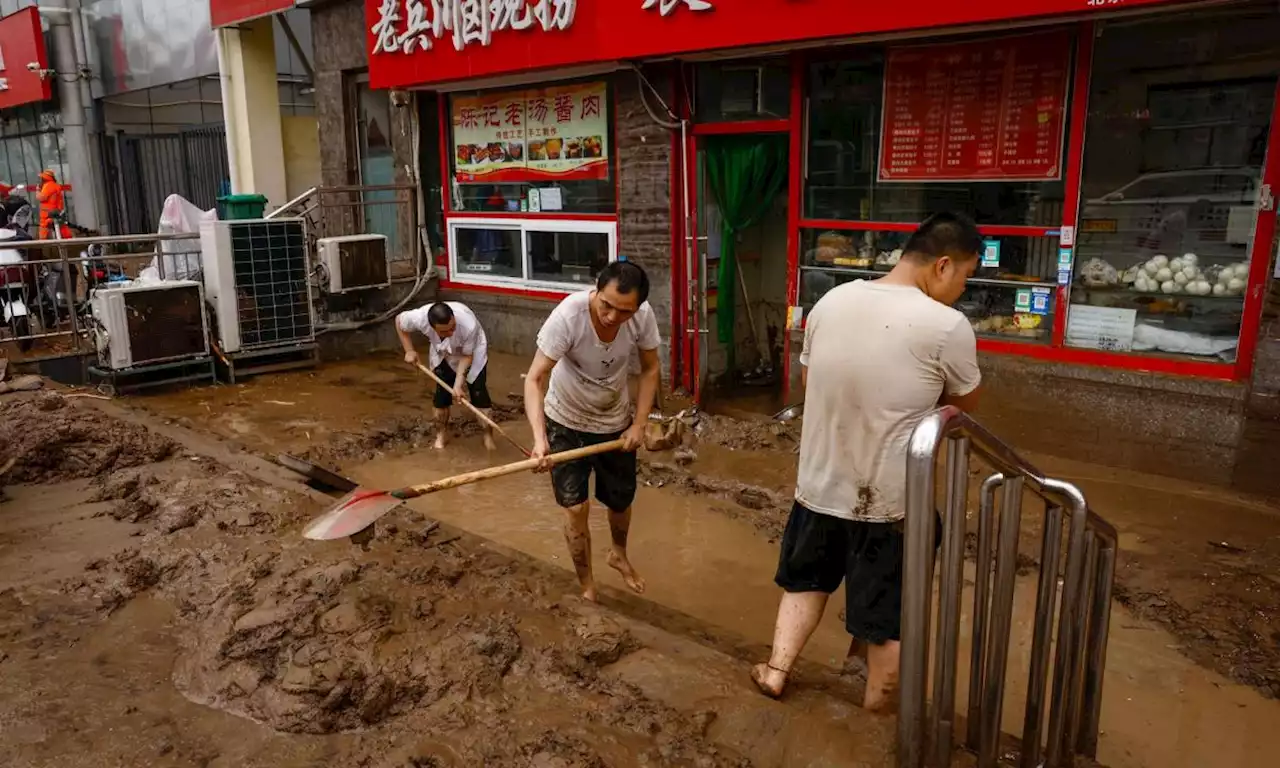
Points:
(1087, 570)
(55, 279)
(143, 170)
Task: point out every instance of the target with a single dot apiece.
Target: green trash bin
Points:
(232, 207)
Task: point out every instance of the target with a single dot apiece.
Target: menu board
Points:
(991, 109)
(544, 134)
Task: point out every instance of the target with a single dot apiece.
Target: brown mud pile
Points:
(740, 434)
(443, 651)
(398, 432)
(51, 440)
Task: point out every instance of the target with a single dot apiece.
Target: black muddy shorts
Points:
(615, 470)
(819, 551)
(478, 389)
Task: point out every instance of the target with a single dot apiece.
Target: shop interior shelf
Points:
(1237, 299)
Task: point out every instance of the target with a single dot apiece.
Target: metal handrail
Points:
(1082, 628)
(289, 205)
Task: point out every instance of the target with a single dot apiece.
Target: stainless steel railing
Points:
(1082, 614)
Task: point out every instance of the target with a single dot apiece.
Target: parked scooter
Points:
(18, 286)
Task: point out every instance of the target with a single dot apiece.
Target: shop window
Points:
(548, 254)
(534, 150)
(1179, 114)
(843, 158)
(743, 91)
(1010, 297)
(533, 158)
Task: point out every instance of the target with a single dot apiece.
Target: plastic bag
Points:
(181, 257)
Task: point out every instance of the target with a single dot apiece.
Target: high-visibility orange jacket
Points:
(52, 199)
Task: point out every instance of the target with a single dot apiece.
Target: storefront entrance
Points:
(741, 216)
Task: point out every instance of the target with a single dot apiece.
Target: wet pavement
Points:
(1165, 705)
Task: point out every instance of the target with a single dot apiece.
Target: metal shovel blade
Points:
(355, 512)
(790, 413)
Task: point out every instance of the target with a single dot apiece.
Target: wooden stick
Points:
(414, 491)
(479, 414)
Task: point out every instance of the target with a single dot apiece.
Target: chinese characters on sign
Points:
(552, 133)
(665, 7)
(403, 26)
(982, 110)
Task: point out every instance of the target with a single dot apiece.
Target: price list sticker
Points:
(979, 110)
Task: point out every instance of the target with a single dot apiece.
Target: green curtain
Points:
(745, 174)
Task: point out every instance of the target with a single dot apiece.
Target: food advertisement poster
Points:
(555, 133)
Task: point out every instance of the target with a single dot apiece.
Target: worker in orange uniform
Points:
(53, 200)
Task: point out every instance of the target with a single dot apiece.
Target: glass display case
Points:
(1171, 179)
(1010, 297)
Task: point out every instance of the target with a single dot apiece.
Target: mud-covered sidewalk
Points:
(160, 608)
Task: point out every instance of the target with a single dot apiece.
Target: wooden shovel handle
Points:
(489, 473)
(479, 414)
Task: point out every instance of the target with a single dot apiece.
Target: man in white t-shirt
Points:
(584, 357)
(459, 354)
(878, 356)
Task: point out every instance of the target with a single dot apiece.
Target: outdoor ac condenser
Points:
(255, 276)
(139, 324)
(355, 262)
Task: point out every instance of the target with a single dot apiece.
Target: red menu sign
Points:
(992, 109)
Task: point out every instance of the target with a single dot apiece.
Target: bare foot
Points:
(622, 565)
(441, 440)
(769, 680)
(589, 593)
(488, 442)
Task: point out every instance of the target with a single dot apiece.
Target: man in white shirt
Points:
(459, 354)
(583, 360)
(878, 356)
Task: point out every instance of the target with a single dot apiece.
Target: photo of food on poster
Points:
(541, 134)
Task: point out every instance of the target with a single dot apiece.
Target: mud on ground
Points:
(431, 648)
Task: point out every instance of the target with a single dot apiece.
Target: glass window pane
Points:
(567, 257)
(1179, 115)
(845, 104)
(754, 91)
(488, 252)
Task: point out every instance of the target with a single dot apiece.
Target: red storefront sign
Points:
(415, 42)
(22, 45)
(989, 109)
(223, 13)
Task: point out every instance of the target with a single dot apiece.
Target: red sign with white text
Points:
(21, 45)
(988, 109)
(416, 42)
(224, 13)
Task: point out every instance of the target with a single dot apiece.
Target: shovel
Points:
(479, 414)
(362, 507)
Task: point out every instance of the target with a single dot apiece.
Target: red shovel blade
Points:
(355, 512)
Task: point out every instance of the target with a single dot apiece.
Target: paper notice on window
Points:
(552, 199)
(1101, 327)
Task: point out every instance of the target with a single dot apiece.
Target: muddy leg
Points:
(882, 675)
(442, 426)
(619, 527)
(798, 616)
(577, 534)
(488, 431)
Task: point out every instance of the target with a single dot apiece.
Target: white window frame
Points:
(524, 226)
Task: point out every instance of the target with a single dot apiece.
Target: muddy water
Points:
(1160, 708)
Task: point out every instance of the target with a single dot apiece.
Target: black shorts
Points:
(615, 470)
(478, 389)
(818, 551)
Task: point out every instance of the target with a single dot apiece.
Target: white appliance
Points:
(146, 323)
(256, 278)
(355, 262)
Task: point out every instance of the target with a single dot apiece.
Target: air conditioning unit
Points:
(355, 262)
(139, 324)
(256, 277)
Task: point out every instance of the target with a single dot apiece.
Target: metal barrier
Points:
(50, 265)
(387, 209)
(1082, 615)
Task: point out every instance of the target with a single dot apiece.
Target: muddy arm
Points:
(535, 384)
